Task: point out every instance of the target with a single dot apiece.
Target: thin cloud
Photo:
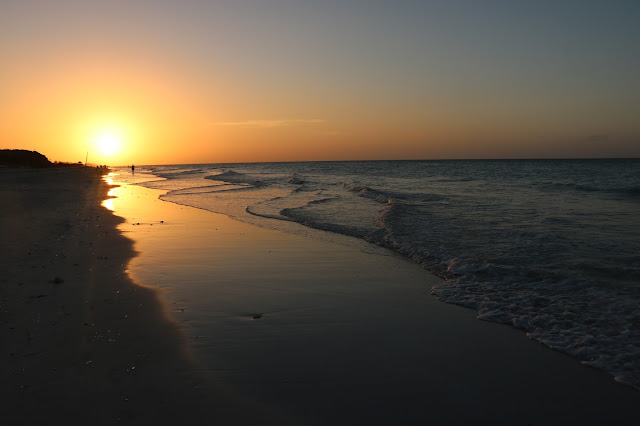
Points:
(596, 138)
(268, 123)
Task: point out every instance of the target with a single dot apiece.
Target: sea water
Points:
(551, 247)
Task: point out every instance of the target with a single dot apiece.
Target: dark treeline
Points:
(24, 158)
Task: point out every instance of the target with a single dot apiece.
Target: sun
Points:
(108, 142)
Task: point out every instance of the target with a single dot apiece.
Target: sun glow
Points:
(108, 142)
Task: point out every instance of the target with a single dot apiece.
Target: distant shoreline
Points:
(390, 161)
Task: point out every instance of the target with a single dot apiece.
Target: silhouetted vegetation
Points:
(23, 158)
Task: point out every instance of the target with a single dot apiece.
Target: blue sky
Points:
(433, 79)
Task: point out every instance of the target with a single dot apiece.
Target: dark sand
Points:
(347, 333)
(81, 343)
(356, 338)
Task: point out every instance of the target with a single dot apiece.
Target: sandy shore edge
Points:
(346, 333)
(82, 343)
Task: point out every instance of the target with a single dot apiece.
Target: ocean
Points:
(551, 247)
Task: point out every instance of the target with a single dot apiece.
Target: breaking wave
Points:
(549, 247)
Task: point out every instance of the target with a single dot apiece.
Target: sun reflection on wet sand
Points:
(287, 320)
(108, 203)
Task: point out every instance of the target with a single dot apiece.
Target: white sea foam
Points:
(549, 247)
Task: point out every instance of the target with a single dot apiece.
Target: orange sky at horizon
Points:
(216, 82)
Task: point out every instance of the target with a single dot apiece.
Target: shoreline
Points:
(88, 340)
(285, 319)
(82, 342)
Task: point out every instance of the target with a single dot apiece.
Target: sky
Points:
(195, 81)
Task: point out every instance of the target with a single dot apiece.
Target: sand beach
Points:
(319, 213)
(139, 311)
(82, 343)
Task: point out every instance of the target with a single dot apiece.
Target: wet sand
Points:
(227, 323)
(81, 343)
(326, 329)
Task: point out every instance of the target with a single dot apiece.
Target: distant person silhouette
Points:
(133, 168)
